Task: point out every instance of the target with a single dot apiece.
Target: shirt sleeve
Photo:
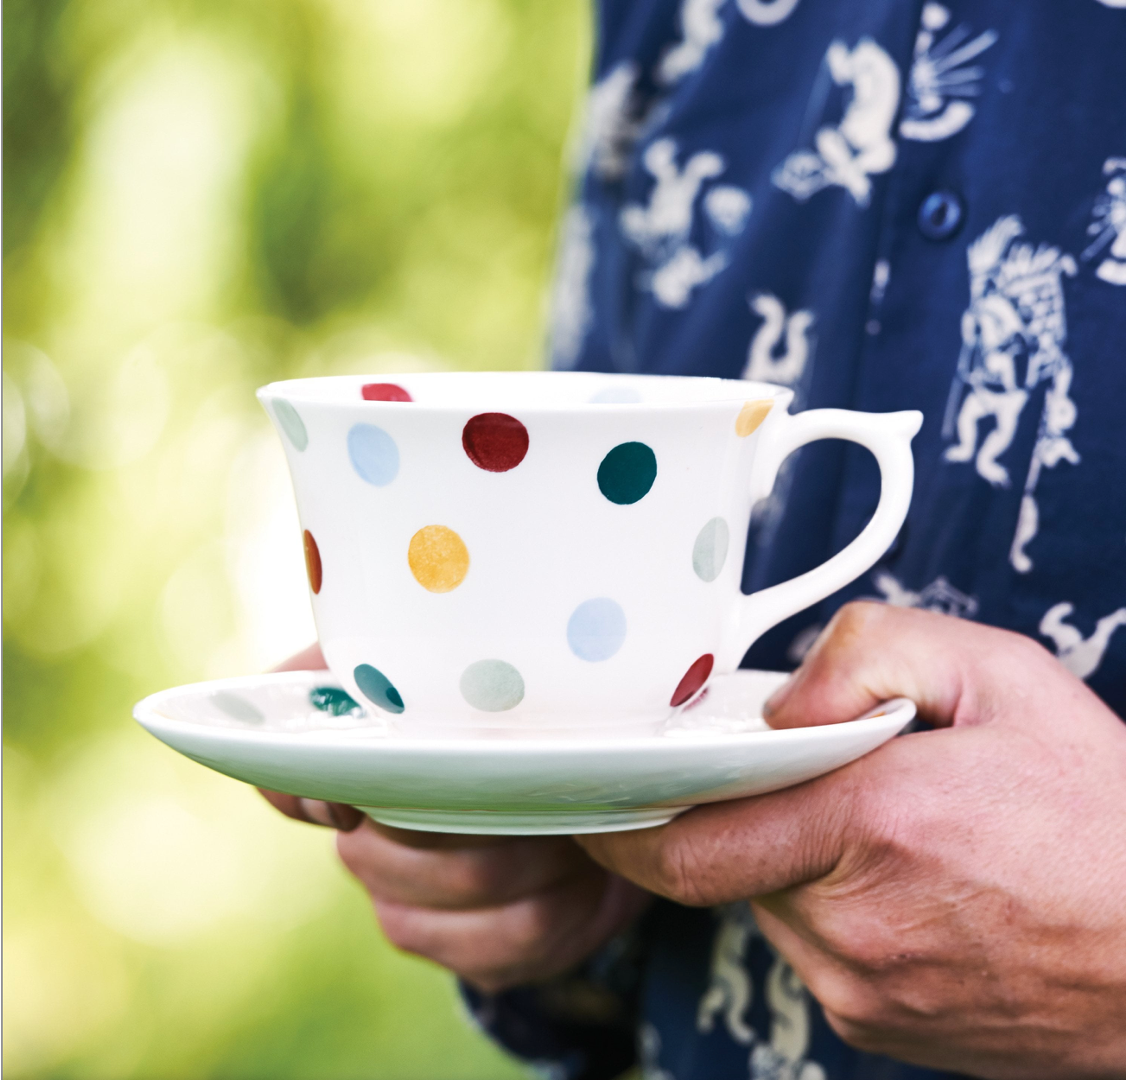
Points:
(579, 1026)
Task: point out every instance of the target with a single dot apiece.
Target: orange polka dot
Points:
(751, 415)
(438, 558)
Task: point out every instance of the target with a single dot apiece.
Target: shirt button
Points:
(940, 215)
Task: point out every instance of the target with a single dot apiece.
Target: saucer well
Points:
(298, 732)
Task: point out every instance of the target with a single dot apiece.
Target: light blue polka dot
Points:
(374, 454)
(616, 395)
(709, 553)
(596, 629)
(291, 424)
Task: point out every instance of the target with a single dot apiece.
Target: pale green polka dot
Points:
(291, 424)
(709, 553)
(237, 707)
(492, 686)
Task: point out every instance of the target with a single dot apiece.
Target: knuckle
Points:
(679, 875)
(403, 928)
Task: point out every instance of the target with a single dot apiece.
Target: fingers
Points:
(526, 941)
(955, 671)
(733, 850)
(314, 811)
(308, 659)
(458, 873)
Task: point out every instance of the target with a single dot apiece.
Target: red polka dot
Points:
(694, 678)
(384, 391)
(313, 562)
(495, 441)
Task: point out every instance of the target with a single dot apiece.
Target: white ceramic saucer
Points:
(298, 732)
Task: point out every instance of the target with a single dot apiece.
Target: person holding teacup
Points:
(882, 207)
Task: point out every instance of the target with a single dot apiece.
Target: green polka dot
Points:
(291, 424)
(492, 686)
(710, 550)
(627, 473)
(237, 708)
(377, 688)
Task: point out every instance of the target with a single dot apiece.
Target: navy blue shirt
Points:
(884, 205)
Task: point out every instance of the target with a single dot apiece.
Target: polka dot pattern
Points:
(384, 391)
(596, 629)
(377, 688)
(627, 473)
(374, 454)
(438, 558)
(495, 442)
(616, 395)
(492, 686)
(291, 424)
(751, 415)
(313, 567)
(709, 553)
(334, 701)
(694, 678)
(237, 707)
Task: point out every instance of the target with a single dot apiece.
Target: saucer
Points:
(299, 732)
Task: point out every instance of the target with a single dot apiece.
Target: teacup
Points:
(551, 550)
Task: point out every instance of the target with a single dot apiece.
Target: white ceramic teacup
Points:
(551, 550)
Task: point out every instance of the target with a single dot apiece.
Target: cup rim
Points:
(324, 391)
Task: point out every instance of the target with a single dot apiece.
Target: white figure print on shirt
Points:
(662, 229)
(572, 314)
(1016, 318)
(730, 992)
(860, 145)
(940, 80)
(766, 12)
(783, 1057)
(779, 352)
(770, 359)
(700, 28)
(613, 121)
(1109, 225)
(649, 1054)
(1081, 656)
(938, 596)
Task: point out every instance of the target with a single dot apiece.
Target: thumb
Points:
(733, 850)
(953, 670)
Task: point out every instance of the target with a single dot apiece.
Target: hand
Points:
(497, 911)
(956, 899)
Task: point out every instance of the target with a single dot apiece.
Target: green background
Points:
(200, 197)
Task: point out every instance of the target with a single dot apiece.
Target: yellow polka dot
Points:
(751, 415)
(438, 558)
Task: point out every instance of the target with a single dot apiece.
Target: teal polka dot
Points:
(709, 553)
(334, 701)
(492, 686)
(596, 629)
(291, 424)
(375, 457)
(627, 473)
(237, 707)
(377, 688)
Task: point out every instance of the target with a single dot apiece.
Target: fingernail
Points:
(776, 700)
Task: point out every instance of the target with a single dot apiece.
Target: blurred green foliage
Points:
(201, 196)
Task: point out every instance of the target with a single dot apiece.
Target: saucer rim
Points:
(895, 713)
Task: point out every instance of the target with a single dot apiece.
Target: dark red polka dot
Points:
(313, 562)
(384, 391)
(694, 678)
(495, 441)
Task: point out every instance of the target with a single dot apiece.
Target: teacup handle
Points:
(888, 436)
